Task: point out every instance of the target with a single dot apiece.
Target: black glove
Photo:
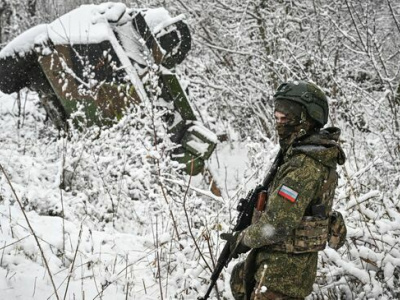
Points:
(235, 243)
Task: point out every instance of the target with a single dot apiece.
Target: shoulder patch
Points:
(288, 193)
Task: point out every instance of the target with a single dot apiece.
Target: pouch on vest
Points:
(337, 230)
(310, 236)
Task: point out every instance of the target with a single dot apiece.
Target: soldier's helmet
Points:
(307, 94)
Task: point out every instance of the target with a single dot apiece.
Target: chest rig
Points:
(313, 232)
(319, 224)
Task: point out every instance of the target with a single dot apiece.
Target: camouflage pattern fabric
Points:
(237, 279)
(337, 231)
(306, 166)
(238, 291)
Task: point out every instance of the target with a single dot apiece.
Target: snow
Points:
(363, 198)
(82, 25)
(85, 24)
(130, 41)
(165, 23)
(197, 144)
(268, 230)
(25, 42)
(131, 213)
(117, 257)
(155, 17)
(197, 127)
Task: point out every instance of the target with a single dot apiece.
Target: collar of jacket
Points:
(322, 146)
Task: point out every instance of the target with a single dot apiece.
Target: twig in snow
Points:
(2, 254)
(159, 175)
(126, 276)
(95, 284)
(188, 220)
(197, 190)
(62, 179)
(393, 15)
(34, 288)
(25, 228)
(207, 238)
(158, 261)
(5, 246)
(73, 262)
(32, 231)
(355, 197)
(144, 286)
(63, 223)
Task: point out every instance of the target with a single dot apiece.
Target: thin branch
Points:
(32, 231)
(188, 219)
(352, 189)
(73, 262)
(197, 190)
(355, 26)
(16, 242)
(393, 15)
(158, 261)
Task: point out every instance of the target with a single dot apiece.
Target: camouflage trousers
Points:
(237, 283)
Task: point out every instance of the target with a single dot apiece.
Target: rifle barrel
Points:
(222, 261)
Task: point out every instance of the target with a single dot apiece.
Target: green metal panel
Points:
(174, 89)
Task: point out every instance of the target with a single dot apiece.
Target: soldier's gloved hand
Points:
(229, 237)
(235, 243)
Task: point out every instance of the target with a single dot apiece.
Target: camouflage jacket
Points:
(296, 187)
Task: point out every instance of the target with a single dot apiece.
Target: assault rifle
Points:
(256, 198)
(246, 208)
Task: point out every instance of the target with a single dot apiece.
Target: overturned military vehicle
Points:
(97, 58)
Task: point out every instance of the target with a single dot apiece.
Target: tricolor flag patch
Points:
(287, 193)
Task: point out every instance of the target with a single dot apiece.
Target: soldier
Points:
(296, 223)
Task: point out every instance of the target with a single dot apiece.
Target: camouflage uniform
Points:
(308, 169)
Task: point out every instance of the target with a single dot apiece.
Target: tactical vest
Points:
(318, 226)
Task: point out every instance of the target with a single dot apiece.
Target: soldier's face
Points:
(280, 118)
(284, 124)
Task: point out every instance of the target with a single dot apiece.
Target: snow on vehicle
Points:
(98, 59)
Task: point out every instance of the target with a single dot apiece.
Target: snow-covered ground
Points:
(122, 227)
(115, 220)
(113, 224)
(88, 255)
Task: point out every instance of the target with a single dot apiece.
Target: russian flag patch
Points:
(287, 193)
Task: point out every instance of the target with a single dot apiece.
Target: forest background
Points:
(114, 224)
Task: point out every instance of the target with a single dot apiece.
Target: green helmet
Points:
(309, 95)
